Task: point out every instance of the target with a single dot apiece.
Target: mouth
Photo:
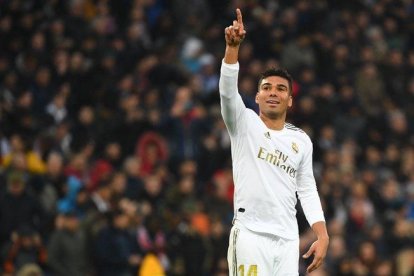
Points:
(272, 102)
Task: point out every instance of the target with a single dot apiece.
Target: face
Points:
(121, 221)
(16, 188)
(27, 241)
(71, 223)
(274, 97)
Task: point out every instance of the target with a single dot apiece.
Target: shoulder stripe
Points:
(292, 127)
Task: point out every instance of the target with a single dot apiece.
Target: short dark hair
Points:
(279, 72)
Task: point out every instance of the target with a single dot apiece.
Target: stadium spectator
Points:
(67, 252)
(115, 253)
(25, 248)
(18, 207)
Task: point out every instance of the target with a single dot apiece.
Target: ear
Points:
(290, 101)
(257, 98)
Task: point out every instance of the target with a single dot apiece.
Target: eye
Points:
(282, 89)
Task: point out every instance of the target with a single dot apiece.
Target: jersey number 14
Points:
(251, 272)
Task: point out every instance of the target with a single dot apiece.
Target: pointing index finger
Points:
(239, 17)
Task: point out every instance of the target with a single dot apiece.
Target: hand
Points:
(318, 249)
(235, 34)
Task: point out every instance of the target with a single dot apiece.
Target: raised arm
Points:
(234, 35)
(232, 106)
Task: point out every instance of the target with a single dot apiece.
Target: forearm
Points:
(231, 54)
(319, 228)
(311, 204)
(307, 190)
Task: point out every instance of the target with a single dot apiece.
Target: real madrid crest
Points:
(295, 147)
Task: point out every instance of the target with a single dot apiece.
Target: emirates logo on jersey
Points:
(278, 159)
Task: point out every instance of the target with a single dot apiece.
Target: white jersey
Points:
(269, 167)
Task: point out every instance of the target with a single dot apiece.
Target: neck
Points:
(274, 123)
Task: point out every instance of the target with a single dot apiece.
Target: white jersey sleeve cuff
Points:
(312, 208)
(229, 69)
(312, 219)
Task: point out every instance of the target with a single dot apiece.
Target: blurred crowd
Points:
(114, 159)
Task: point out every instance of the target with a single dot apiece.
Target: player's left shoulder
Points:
(295, 130)
(298, 134)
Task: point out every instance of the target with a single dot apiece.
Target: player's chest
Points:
(279, 150)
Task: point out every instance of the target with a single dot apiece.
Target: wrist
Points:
(233, 46)
(323, 237)
(319, 228)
